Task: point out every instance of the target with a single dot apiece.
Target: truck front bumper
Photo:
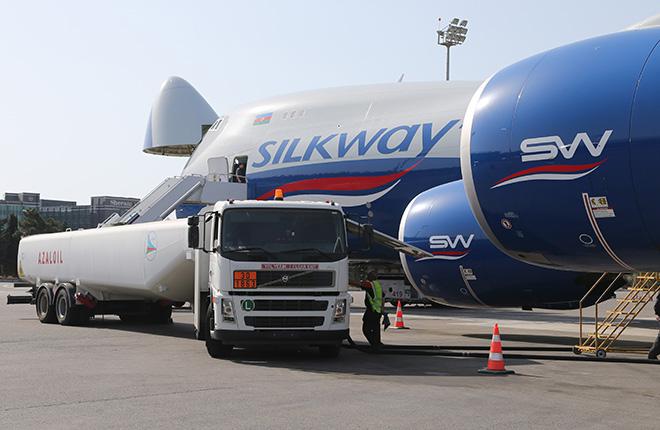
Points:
(280, 337)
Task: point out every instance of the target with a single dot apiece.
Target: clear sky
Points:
(77, 78)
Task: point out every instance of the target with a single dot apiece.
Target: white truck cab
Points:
(271, 272)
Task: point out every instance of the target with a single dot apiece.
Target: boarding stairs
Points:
(174, 191)
(608, 328)
(162, 200)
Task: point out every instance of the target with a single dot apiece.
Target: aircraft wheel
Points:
(45, 310)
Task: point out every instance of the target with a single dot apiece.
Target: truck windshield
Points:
(295, 235)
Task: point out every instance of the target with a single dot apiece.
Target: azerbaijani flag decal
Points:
(263, 119)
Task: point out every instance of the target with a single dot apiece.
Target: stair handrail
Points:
(641, 303)
(587, 294)
(606, 291)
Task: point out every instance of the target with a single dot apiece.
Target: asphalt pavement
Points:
(115, 375)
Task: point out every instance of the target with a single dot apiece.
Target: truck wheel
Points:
(215, 348)
(45, 310)
(66, 314)
(330, 351)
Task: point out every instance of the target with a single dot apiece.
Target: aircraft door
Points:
(239, 169)
(218, 168)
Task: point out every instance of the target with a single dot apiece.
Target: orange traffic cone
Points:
(496, 358)
(399, 316)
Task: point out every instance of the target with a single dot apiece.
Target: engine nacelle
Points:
(467, 270)
(559, 154)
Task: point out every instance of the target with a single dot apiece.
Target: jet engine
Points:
(466, 270)
(559, 154)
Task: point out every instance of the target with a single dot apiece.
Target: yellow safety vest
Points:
(376, 301)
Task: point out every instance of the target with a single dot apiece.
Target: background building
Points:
(69, 213)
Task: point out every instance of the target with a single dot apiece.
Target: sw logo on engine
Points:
(449, 245)
(549, 148)
(444, 241)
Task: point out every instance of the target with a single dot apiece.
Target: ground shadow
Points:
(567, 341)
(175, 329)
(351, 362)
(356, 363)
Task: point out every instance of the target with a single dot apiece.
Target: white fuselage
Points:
(338, 114)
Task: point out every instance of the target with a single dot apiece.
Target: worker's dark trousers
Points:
(371, 327)
(655, 349)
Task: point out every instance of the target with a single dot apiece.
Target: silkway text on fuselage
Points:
(384, 141)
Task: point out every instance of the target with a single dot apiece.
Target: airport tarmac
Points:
(111, 374)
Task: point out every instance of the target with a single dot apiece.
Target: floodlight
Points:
(451, 35)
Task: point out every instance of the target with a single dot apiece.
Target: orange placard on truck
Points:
(243, 280)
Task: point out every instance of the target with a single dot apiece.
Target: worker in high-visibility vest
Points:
(373, 302)
(655, 349)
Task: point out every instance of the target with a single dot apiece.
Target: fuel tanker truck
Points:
(256, 272)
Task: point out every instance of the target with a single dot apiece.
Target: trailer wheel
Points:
(215, 348)
(45, 310)
(65, 312)
(330, 351)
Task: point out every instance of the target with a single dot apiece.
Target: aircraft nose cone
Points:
(175, 82)
(176, 119)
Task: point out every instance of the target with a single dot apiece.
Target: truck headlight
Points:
(340, 309)
(227, 310)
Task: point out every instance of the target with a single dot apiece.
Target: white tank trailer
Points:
(148, 261)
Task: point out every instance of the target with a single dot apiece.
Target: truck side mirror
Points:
(200, 232)
(193, 232)
(206, 234)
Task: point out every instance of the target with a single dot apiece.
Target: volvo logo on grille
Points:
(285, 278)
